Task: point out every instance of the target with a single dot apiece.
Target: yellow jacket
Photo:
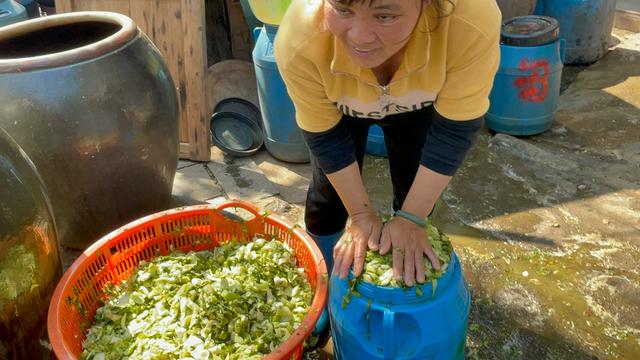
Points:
(449, 62)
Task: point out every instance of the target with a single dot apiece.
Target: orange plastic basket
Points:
(195, 228)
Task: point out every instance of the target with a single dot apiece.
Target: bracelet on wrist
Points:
(411, 217)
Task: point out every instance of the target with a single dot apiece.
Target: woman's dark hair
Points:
(440, 5)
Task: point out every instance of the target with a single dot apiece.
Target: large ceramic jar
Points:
(90, 100)
(30, 265)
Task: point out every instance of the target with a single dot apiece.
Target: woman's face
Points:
(372, 30)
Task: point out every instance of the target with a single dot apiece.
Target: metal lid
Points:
(235, 134)
(530, 30)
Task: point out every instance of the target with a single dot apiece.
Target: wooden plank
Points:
(159, 20)
(141, 11)
(238, 31)
(195, 61)
(184, 150)
(64, 6)
(119, 6)
(172, 42)
(218, 45)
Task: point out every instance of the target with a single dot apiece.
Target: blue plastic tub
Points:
(393, 323)
(31, 6)
(282, 137)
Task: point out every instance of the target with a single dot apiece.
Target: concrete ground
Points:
(547, 227)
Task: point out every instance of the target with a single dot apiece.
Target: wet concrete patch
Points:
(562, 301)
(240, 178)
(623, 312)
(519, 302)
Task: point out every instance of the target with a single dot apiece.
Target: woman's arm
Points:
(364, 225)
(445, 148)
(335, 153)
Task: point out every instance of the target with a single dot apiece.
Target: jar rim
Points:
(128, 30)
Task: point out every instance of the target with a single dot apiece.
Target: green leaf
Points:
(378, 269)
(434, 286)
(238, 301)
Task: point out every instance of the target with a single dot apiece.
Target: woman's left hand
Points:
(410, 243)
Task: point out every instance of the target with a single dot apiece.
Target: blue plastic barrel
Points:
(11, 12)
(31, 6)
(526, 88)
(282, 137)
(585, 25)
(375, 142)
(394, 323)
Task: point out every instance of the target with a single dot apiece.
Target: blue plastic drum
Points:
(11, 12)
(394, 323)
(282, 137)
(585, 26)
(526, 89)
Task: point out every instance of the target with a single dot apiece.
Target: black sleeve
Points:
(448, 142)
(334, 148)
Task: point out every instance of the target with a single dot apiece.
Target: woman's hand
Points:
(364, 229)
(410, 243)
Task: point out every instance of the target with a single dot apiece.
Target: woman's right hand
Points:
(364, 229)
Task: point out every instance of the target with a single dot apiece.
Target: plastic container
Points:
(526, 88)
(32, 8)
(395, 323)
(240, 106)
(235, 134)
(584, 25)
(113, 259)
(375, 142)
(282, 137)
(11, 12)
(269, 11)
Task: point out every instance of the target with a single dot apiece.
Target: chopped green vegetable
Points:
(238, 301)
(378, 269)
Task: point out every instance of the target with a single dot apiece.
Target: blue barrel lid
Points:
(529, 30)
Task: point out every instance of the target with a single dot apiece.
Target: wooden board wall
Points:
(177, 27)
(218, 42)
(239, 33)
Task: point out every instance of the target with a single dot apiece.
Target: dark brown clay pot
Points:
(90, 100)
(30, 264)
